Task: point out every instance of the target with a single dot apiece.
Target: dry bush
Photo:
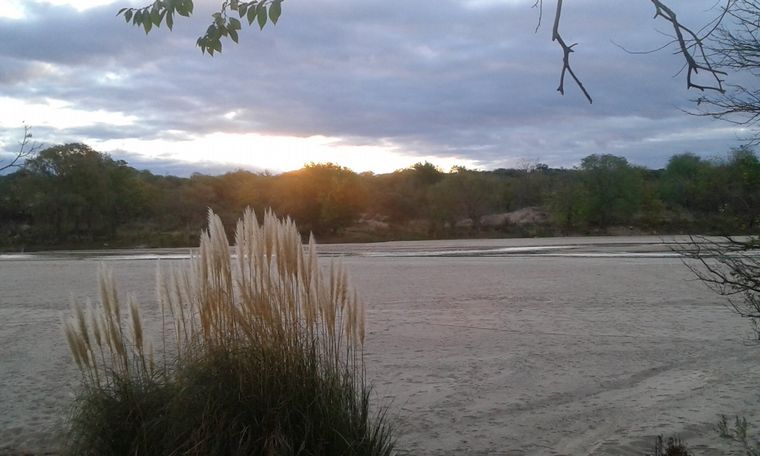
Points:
(261, 354)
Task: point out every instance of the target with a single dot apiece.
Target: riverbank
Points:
(492, 346)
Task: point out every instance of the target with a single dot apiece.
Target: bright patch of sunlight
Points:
(275, 153)
(11, 9)
(56, 114)
(81, 5)
(112, 78)
(16, 9)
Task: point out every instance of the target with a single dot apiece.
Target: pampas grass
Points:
(260, 354)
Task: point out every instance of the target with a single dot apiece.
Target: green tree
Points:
(77, 192)
(568, 202)
(323, 198)
(404, 194)
(742, 188)
(612, 188)
(465, 193)
(682, 181)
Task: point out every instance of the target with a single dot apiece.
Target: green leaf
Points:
(128, 15)
(251, 15)
(261, 15)
(121, 11)
(242, 9)
(234, 24)
(182, 10)
(137, 19)
(170, 20)
(233, 35)
(275, 9)
(217, 45)
(218, 19)
(155, 17)
(147, 25)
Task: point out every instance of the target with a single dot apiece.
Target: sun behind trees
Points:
(72, 196)
(262, 354)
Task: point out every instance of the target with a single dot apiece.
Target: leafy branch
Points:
(224, 24)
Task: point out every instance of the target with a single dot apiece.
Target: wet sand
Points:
(498, 347)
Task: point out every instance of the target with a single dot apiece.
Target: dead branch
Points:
(691, 46)
(731, 268)
(567, 50)
(26, 149)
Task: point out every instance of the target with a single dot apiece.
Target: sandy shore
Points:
(589, 349)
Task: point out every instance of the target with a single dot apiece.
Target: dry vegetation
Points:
(261, 354)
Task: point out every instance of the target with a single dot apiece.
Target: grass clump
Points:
(672, 447)
(260, 354)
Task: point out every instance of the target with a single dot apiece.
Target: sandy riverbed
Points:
(498, 347)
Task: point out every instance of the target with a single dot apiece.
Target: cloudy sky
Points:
(369, 84)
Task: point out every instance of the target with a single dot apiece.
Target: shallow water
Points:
(514, 347)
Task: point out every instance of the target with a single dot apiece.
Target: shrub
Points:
(260, 355)
(674, 447)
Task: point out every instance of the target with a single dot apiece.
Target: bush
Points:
(262, 355)
(674, 447)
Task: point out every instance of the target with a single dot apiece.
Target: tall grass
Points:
(260, 354)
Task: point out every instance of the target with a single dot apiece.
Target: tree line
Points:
(73, 196)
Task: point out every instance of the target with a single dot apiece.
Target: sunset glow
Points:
(276, 153)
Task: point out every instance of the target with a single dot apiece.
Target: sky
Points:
(368, 84)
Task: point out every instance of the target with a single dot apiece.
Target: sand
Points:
(497, 347)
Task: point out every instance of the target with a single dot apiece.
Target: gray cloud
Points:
(430, 76)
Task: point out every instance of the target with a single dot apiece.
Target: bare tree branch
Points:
(566, 68)
(25, 150)
(692, 47)
(690, 44)
(540, 5)
(731, 268)
(735, 46)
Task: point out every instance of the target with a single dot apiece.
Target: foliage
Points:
(81, 191)
(261, 355)
(322, 198)
(613, 188)
(464, 193)
(73, 196)
(223, 25)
